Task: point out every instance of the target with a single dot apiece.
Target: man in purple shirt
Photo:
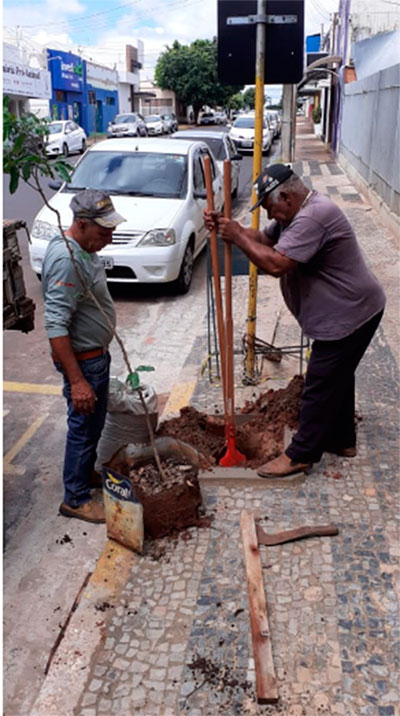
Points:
(327, 286)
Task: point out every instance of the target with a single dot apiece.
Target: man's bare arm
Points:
(83, 395)
(258, 249)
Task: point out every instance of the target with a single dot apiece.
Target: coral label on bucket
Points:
(124, 511)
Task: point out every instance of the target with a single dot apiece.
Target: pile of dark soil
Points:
(260, 439)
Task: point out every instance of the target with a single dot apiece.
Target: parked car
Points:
(158, 185)
(65, 137)
(155, 124)
(207, 118)
(243, 130)
(222, 148)
(274, 120)
(127, 125)
(220, 117)
(171, 122)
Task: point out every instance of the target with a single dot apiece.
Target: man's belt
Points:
(86, 355)
(90, 354)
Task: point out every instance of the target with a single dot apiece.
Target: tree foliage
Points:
(191, 72)
(249, 97)
(236, 101)
(24, 155)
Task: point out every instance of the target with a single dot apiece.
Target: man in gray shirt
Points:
(338, 302)
(80, 329)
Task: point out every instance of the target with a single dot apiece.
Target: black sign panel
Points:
(284, 50)
(314, 56)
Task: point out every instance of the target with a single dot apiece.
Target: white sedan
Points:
(65, 137)
(243, 130)
(222, 148)
(158, 185)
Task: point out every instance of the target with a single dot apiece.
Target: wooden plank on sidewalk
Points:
(266, 687)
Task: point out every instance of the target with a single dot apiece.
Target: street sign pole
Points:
(255, 219)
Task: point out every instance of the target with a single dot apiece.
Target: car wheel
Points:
(65, 149)
(83, 147)
(182, 283)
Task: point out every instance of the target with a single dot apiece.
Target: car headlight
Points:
(159, 237)
(43, 230)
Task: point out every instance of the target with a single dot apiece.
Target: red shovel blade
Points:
(233, 456)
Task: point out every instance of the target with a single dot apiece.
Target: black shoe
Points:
(343, 452)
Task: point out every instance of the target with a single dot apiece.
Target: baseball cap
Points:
(96, 205)
(269, 179)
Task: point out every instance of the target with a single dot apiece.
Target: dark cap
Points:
(97, 206)
(269, 179)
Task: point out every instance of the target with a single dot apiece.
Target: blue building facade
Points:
(82, 91)
(102, 96)
(68, 80)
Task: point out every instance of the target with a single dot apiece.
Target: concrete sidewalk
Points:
(168, 633)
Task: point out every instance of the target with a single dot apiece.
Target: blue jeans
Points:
(84, 430)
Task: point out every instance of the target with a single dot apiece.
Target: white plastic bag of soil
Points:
(126, 420)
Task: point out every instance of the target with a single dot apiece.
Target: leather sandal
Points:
(282, 466)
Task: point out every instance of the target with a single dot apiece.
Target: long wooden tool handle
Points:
(217, 280)
(299, 533)
(267, 691)
(228, 302)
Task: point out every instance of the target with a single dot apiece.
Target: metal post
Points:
(287, 123)
(255, 219)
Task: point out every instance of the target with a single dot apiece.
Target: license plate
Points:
(247, 144)
(107, 263)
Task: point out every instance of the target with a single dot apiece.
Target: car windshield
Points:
(132, 173)
(55, 128)
(121, 118)
(152, 118)
(246, 123)
(216, 145)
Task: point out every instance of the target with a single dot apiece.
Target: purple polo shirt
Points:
(331, 291)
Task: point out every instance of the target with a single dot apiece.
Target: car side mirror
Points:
(55, 184)
(200, 194)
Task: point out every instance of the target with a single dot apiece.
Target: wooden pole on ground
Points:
(266, 687)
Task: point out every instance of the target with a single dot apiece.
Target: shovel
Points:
(216, 275)
(232, 455)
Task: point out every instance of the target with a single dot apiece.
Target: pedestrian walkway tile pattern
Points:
(329, 179)
(179, 640)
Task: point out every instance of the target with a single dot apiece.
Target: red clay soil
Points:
(260, 439)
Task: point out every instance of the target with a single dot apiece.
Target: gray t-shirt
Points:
(67, 311)
(331, 292)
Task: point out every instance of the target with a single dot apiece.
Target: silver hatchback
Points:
(131, 124)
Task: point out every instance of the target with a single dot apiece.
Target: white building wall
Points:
(124, 97)
(371, 18)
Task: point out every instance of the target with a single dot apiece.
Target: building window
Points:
(110, 100)
(60, 96)
(92, 97)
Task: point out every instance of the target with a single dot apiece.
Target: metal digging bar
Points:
(212, 342)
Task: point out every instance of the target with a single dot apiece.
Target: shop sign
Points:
(26, 81)
(66, 70)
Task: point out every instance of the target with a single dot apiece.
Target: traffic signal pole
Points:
(249, 376)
